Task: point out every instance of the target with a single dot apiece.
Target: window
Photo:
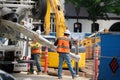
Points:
(95, 27)
(77, 27)
(52, 23)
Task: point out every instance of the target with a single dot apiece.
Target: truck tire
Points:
(39, 10)
(8, 68)
(9, 56)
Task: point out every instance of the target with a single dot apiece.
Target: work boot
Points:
(39, 73)
(59, 77)
(74, 77)
(30, 73)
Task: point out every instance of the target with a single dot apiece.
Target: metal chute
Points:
(34, 36)
(75, 57)
(28, 32)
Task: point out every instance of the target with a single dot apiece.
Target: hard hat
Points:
(67, 32)
(38, 32)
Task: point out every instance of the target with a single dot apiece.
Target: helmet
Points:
(38, 32)
(67, 32)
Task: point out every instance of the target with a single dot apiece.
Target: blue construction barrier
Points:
(109, 68)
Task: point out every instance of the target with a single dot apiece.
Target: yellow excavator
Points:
(55, 7)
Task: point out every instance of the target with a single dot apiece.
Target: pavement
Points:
(24, 76)
(86, 74)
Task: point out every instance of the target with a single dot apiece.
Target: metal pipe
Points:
(77, 53)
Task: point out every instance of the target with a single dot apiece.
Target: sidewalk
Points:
(24, 76)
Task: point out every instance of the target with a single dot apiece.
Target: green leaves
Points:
(98, 8)
(76, 3)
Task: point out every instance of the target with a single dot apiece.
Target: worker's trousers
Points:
(35, 57)
(66, 57)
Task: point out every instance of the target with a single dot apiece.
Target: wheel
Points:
(9, 56)
(8, 68)
(39, 10)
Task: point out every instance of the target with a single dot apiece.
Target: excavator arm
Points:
(59, 17)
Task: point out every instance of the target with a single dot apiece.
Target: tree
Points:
(98, 8)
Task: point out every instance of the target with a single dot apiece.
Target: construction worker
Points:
(35, 55)
(63, 48)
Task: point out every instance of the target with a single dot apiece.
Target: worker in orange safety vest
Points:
(63, 48)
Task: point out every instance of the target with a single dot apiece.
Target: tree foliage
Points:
(98, 8)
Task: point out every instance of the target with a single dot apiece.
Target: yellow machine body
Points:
(53, 60)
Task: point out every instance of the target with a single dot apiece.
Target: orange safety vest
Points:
(63, 45)
(35, 47)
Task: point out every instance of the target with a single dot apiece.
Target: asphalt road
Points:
(24, 76)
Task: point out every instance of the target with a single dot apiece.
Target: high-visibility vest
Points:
(63, 45)
(35, 47)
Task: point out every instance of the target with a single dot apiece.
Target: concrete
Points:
(24, 76)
